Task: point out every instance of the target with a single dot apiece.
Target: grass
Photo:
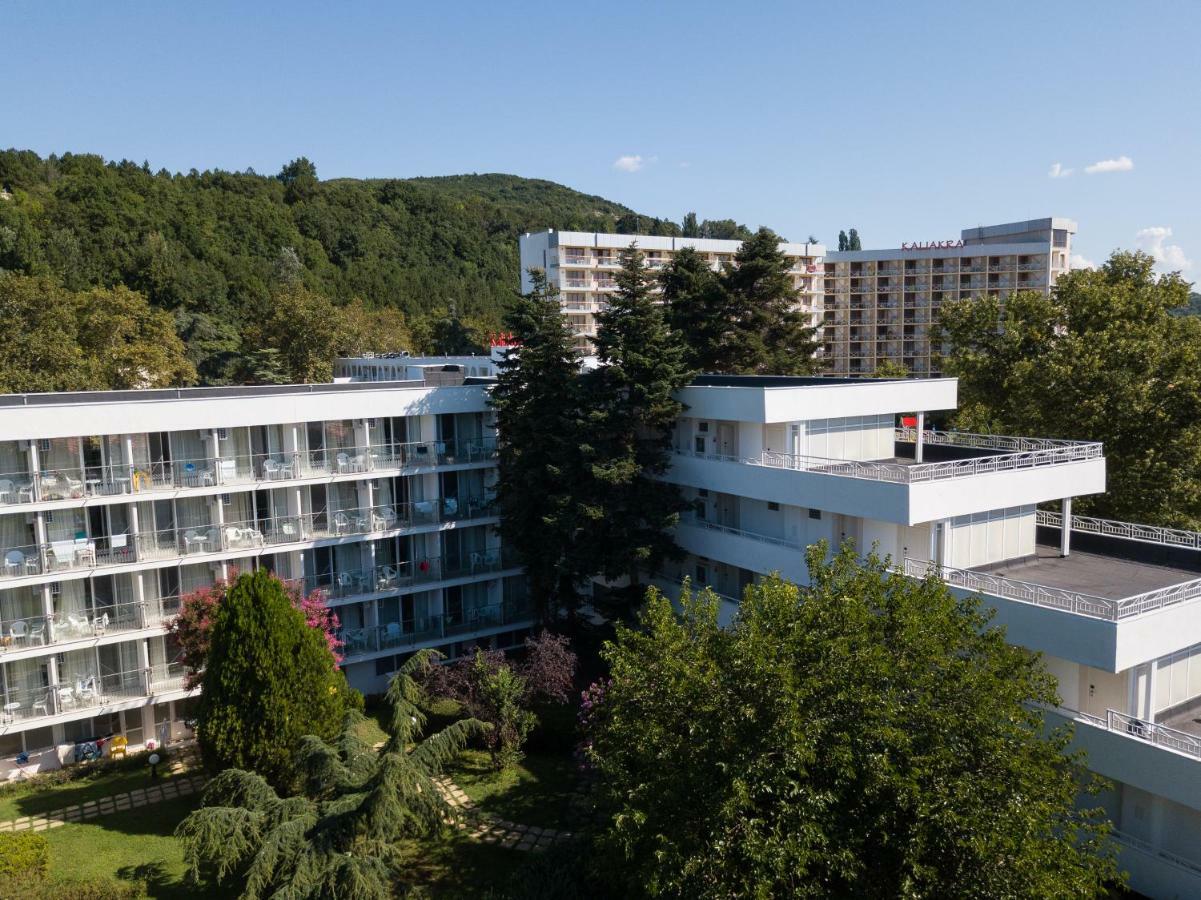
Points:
(459, 869)
(537, 791)
(134, 846)
(31, 797)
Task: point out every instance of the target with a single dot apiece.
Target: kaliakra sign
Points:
(932, 245)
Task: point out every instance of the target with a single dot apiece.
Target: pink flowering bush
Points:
(192, 626)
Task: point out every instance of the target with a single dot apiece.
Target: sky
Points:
(907, 121)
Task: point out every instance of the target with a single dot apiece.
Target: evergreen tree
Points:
(867, 736)
(542, 445)
(842, 240)
(689, 227)
(634, 408)
(853, 240)
(697, 309)
(768, 333)
(268, 679)
(336, 840)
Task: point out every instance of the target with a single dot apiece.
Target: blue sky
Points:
(907, 120)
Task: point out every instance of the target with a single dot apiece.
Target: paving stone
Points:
(524, 845)
(42, 827)
(21, 819)
(534, 829)
(56, 823)
(6, 826)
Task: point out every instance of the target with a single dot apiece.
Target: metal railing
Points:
(1150, 849)
(1148, 534)
(93, 621)
(901, 473)
(199, 472)
(1007, 443)
(86, 692)
(1134, 727)
(738, 532)
(356, 583)
(418, 631)
(254, 534)
(1076, 602)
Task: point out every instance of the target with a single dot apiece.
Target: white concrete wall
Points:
(991, 536)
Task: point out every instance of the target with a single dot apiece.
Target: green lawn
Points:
(134, 846)
(32, 797)
(537, 791)
(460, 869)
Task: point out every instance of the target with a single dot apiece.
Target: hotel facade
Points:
(773, 465)
(582, 266)
(871, 307)
(113, 505)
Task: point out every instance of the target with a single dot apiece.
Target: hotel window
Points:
(1060, 237)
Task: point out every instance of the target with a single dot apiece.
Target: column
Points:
(919, 445)
(214, 443)
(35, 466)
(1065, 532)
(135, 526)
(144, 662)
(139, 596)
(52, 677)
(291, 448)
(130, 469)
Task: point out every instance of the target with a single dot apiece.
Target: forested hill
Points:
(213, 248)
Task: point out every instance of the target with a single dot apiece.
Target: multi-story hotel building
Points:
(773, 465)
(878, 305)
(115, 504)
(582, 265)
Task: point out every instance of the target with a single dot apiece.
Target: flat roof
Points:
(769, 381)
(1110, 577)
(60, 398)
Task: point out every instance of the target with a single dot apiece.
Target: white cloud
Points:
(1058, 171)
(1121, 164)
(633, 162)
(1168, 257)
(1079, 262)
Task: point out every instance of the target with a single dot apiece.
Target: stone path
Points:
(495, 830)
(169, 789)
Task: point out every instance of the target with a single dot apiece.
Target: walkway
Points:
(494, 830)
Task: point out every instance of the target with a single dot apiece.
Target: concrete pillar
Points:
(35, 469)
(1065, 532)
(919, 445)
(130, 468)
(215, 454)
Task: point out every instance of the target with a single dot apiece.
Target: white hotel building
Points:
(775, 464)
(582, 265)
(114, 504)
(871, 307)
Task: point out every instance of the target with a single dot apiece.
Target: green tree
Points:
(842, 241)
(540, 420)
(697, 309)
(336, 839)
(689, 228)
(268, 680)
(868, 736)
(890, 368)
(768, 334)
(1104, 359)
(130, 344)
(633, 409)
(853, 240)
(306, 329)
(39, 337)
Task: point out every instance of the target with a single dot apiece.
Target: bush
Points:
(556, 731)
(24, 855)
(73, 889)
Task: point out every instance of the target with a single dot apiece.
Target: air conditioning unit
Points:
(227, 499)
(372, 423)
(44, 445)
(223, 434)
(56, 588)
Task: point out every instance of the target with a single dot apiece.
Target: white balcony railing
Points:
(1147, 534)
(1057, 598)
(1049, 453)
(738, 532)
(1150, 732)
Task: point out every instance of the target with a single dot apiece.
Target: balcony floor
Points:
(1089, 573)
(1187, 720)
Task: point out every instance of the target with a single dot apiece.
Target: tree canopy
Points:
(1103, 358)
(867, 736)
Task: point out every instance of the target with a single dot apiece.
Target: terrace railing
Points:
(1148, 534)
(1131, 726)
(1057, 598)
(95, 620)
(738, 532)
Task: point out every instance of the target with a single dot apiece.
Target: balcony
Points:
(231, 537)
(419, 632)
(122, 480)
(85, 696)
(92, 623)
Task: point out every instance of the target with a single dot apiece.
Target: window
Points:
(1060, 237)
(699, 443)
(815, 513)
(773, 506)
(703, 427)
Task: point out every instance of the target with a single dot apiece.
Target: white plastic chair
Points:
(341, 523)
(42, 705)
(388, 515)
(393, 630)
(100, 625)
(271, 469)
(18, 631)
(14, 562)
(343, 461)
(8, 491)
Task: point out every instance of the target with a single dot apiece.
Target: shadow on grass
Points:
(540, 790)
(72, 793)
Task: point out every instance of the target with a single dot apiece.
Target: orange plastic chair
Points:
(118, 746)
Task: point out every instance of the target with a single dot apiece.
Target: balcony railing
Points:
(1003, 442)
(1152, 733)
(1064, 452)
(97, 620)
(1147, 534)
(87, 692)
(1054, 597)
(738, 532)
(199, 472)
(420, 631)
(255, 534)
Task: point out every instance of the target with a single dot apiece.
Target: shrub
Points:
(24, 855)
(74, 889)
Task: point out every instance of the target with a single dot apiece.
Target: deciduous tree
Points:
(868, 736)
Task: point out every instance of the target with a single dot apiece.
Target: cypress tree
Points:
(634, 409)
(540, 422)
(770, 334)
(853, 240)
(842, 241)
(269, 678)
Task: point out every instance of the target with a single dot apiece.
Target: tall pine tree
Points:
(769, 333)
(540, 422)
(853, 242)
(634, 408)
(697, 309)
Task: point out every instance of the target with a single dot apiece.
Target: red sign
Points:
(932, 245)
(502, 339)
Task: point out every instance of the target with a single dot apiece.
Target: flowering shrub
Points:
(192, 626)
(592, 700)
